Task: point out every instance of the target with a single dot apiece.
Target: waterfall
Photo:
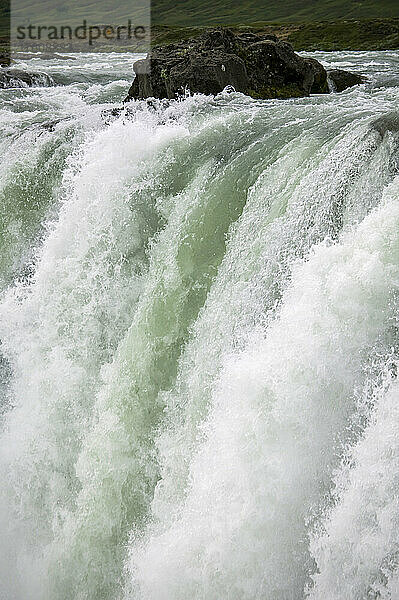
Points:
(198, 343)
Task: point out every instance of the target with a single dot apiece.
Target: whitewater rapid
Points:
(199, 340)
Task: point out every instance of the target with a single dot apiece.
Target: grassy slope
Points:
(73, 12)
(227, 12)
(307, 24)
(373, 34)
(193, 13)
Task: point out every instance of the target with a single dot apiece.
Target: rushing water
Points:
(199, 318)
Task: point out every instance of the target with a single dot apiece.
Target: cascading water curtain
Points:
(199, 346)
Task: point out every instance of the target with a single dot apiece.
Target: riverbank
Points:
(344, 35)
(370, 34)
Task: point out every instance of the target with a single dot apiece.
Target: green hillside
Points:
(192, 13)
(306, 24)
(73, 12)
(203, 12)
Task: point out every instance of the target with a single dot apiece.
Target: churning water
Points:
(199, 328)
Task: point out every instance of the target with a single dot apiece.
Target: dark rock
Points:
(18, 78)
(151, 104)
(258, 65)
(341, 80)
(320, 83)
(51, 125)
(5, 59)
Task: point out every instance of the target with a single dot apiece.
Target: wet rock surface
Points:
(340, 80)
(260, 66)
(18, 78)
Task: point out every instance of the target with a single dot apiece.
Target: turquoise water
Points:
(199, 340)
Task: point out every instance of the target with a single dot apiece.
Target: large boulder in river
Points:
(258, 65)
(18, 78)
(340, 80)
